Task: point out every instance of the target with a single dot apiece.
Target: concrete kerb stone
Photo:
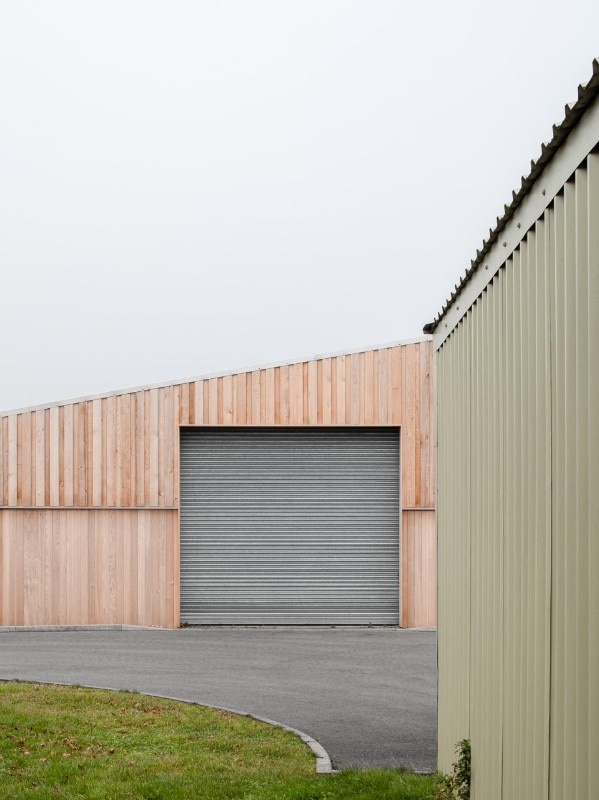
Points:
(323, 760)
(124, 627)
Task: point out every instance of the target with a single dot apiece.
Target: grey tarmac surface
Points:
(366, 694)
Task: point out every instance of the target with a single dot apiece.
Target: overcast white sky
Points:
(187, 187)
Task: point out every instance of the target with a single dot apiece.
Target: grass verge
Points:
(59, 742)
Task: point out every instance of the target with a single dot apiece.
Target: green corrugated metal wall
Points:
(518, 514)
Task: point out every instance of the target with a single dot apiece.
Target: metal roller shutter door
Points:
(290, 526)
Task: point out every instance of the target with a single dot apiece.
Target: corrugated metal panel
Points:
(290, 526)
(525, 429)
(453, 562)
(486, 522)
(574, 734)
(518, 510)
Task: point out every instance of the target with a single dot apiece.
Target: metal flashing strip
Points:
(575, 115)
(88, 508)
(223, 374)
(581, 141)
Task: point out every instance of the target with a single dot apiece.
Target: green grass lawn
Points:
(69, 742)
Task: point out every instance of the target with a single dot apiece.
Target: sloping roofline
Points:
(587, 93)
(240, 371)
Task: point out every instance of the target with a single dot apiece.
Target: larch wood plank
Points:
(219, 395)
(206, 412)
(96, 418)
(334, 391)
(305, 406)
(312, 393)
(319, 393)
(3, 460)
(348, 385)
(141, 566)
(54, 446)
(417, 455)
(134, 522)
(28, 464)
(383, 381)
(269, 382)
(170, 426)
(68, 451)
(239, 382)
(91, 562)
(52, 582)
(120, 566)
(125, 450)
(69, 607)
(61, 445)
(60, 562)
(139, 438)
(183, 390)
(19, 580)
(47, 457)
(120, 446)
(165, 559)
(19, 459)
(88, 418)
(404, 572)
(76, 454)
(175, 456)
(326, 391)
(340, 390)
(199, 403)
(368, 388)
(255, 413)
(154, 429)
(408, 429)
(192, 403)
(154, 571)
(104, 444)
(262, 397)
(355, 389)
(212, 417)
(2, 566)
(427, 428)
(40, 446)
(284, 399)
(176, 547)
(109, 472)
(78, 445)
(12, 460)
(277, 390)
(227, 400)
(296, 394)
(145, 500)
(162, 444)
(417, 557)
(395, 400)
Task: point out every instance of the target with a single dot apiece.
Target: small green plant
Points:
(457, 785)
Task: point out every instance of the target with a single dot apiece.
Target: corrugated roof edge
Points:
(587, 93)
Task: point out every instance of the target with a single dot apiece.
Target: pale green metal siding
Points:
(453, 553)
(518, 514)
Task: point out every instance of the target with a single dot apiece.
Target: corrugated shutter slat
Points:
(290, 526)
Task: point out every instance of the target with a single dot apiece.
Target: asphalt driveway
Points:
(366, 694)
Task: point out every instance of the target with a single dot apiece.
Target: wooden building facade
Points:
(90, 490)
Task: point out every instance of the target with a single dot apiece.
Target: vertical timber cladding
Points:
(294, 525)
